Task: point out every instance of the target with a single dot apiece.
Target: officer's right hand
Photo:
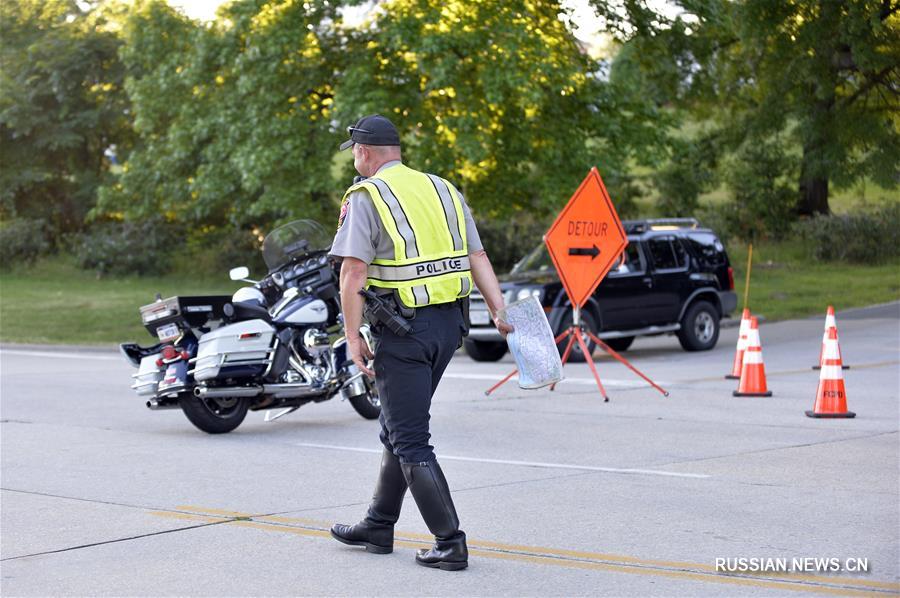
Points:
(360, 354)
(503, 327)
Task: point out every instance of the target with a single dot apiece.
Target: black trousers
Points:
(407, 372)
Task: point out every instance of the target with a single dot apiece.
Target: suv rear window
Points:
(667, 253)
(708, 249)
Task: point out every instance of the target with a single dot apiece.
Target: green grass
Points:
(863, 194)
(786, 283)
(55, 302)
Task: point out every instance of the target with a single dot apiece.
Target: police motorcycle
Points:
(276, 345)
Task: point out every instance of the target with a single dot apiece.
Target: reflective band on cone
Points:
(830, 322)
(831, 396)
(741, 346)
(753, 372)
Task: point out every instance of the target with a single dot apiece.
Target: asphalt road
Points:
(560, 493)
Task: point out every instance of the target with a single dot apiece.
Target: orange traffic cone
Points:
(741, 346)
(830, 322)
(753, 372)
(831, 397)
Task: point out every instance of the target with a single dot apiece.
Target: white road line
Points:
(613, 382)
(63, 355)
(657, 472)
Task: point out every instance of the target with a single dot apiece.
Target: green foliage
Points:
(61, 106)
(233, 119)
(826, 72)
(128, 248)
(624, 192)
(868, 237)
(719, 218)
(216, 250)
(496, 96)
(690, 172)
(759, 176)
(506, 242)
(22, 240)
(231, 127)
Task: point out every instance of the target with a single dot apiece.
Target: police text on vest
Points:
(432, 268)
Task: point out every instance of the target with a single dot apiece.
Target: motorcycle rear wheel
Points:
(367, 404)
(214, 416)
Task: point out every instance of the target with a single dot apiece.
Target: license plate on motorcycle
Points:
(168, 332)
(479, 317)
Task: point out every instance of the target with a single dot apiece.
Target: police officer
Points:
(408, 236)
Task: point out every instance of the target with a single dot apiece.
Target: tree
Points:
(497, 96)
(61, 107)
(233, 118)
(827, 72)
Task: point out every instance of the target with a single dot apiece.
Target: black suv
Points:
(673, 277)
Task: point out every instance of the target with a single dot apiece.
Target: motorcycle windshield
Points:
(292, 240)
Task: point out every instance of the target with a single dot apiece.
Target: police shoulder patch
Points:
(345, 208)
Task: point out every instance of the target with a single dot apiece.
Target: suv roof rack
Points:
(641, 226)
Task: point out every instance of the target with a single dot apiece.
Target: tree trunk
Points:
(813, 188)
(813, 197)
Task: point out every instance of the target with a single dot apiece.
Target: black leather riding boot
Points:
(376, 530)
(429, 488)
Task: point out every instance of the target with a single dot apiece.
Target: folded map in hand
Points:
(531, 344)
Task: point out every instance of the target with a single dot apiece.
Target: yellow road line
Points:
(213, 511)
(189, 516)
(540, 550)
(278, 519)
(568, 558)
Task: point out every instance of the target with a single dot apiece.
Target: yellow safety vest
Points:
(423, 215)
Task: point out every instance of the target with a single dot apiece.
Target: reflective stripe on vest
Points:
(420, 270)
(424, 218)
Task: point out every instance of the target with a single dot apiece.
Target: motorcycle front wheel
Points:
(214, 416)
(367, 404)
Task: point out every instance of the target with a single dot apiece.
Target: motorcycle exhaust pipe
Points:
(228, 392)
(156, 406)
(278, 391)
(291, 391)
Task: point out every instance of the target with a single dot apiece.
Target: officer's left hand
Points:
(361, 354)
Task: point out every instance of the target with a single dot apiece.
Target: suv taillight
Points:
(730, 278)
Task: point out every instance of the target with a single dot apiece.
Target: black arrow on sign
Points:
(591, 251)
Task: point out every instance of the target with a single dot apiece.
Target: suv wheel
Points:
(576, 355)
(485, 350)
(699, 327)
(619, 344)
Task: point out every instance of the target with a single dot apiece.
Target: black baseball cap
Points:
(372, 130)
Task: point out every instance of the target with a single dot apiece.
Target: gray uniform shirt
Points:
(361, 233)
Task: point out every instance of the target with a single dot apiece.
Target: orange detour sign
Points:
(586, 239)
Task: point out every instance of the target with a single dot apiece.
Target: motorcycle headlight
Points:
(529, 292)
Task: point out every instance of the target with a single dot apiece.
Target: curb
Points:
(59, 348)
(735, 322)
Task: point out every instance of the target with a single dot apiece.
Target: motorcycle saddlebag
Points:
(149, 375)
(239, 350)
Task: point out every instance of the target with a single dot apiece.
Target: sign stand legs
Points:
(576, 333)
